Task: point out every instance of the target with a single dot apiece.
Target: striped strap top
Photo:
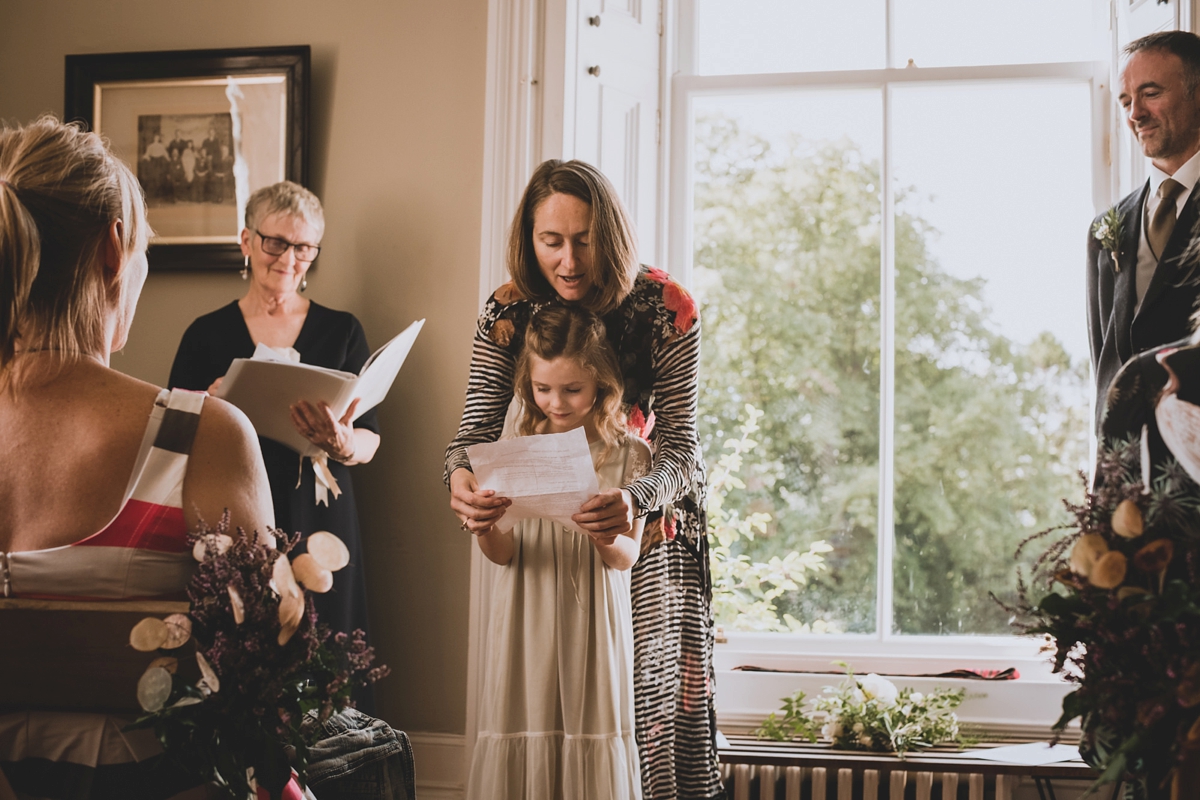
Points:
(144, 551)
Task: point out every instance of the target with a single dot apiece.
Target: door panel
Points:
(617, 104)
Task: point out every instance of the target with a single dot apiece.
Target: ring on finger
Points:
(464, 526)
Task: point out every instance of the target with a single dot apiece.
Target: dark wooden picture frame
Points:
(87, 74)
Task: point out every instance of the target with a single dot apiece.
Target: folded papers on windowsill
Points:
(1010, 674)
(1032, 754)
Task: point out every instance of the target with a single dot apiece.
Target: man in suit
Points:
(177, 145)
(1142, 282)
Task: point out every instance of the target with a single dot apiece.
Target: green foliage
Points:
(989, 433)
(869, 714)
(745, 591)
(792, 725)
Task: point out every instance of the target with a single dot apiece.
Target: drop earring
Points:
(246, 269)
(303, 284)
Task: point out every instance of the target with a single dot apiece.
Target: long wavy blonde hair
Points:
(574, 333)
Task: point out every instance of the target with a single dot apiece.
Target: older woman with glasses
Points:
(282, 237)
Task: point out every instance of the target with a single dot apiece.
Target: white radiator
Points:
(766, 782)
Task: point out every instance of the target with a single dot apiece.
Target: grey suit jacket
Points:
(1119, 329)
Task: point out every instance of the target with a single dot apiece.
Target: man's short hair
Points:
(1184, 44)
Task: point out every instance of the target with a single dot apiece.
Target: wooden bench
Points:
(73, 655)
(755, 768)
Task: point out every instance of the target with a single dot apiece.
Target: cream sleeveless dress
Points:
(556, 715)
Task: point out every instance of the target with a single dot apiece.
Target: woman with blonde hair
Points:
(572, 243)
(105, 473)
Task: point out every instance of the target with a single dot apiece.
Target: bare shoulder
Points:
(226, 471)
(224, 421)
(225, 437)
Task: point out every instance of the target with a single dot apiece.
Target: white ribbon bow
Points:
(324, 483)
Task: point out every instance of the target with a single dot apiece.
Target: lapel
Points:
(1171, 263)
(1125, 281)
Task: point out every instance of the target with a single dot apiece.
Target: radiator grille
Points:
(765, 770)
(768, 782)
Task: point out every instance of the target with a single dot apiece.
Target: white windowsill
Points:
(1026, 707)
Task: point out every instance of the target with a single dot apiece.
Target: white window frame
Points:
(528, 44)
(746, 695)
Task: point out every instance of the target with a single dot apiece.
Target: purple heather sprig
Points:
(273, 665)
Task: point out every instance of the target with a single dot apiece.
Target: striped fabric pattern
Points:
(144, 551)
(677, 458)
(672, 610)
(674, 362)
(672, 659)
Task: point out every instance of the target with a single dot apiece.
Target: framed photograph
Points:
(202, 130)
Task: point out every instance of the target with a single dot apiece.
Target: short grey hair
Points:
(289, 198)
(1183, 44)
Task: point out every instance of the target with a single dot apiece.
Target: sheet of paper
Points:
(547, 477)
(1034, 754)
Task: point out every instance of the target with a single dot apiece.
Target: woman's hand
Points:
(216, 385)
(607, 515)
(478, 510)
(321, 426)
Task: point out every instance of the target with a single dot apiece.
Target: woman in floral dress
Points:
(571, 242)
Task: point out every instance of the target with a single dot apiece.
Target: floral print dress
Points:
(655, 333)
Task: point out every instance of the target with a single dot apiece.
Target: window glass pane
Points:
(945, 33)
(739, 36)
(787, 269)
(991, 350)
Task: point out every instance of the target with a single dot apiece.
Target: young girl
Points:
(556, 713)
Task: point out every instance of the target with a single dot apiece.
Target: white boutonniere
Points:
(1108, 230)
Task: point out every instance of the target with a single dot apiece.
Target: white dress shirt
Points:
(1187, 175)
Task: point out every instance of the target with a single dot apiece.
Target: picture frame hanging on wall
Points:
(202, 130)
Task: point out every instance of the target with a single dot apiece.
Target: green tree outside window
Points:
(989, 433)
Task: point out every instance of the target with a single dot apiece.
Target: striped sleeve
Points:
(677, 442)
(489, 391)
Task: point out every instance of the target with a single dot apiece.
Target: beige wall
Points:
(397, 135)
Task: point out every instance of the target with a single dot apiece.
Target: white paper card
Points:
(546, 477)
(1034, 754)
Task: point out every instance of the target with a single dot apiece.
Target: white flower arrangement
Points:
(869, 713)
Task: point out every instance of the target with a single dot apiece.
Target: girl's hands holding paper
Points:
(478, 509)
(610, 519)
(607, 515)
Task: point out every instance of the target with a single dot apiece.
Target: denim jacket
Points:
(358, 757)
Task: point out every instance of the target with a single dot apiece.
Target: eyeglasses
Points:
(275, 246)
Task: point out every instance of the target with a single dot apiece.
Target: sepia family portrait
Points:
(186, 158)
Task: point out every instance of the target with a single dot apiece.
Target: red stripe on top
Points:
(146, 526)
